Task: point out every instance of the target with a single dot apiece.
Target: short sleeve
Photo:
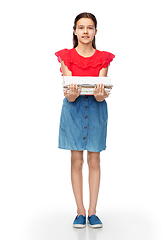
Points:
(64, 55)
(107, 58)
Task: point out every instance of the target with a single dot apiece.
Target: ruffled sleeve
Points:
(64, 55)
(106, 59)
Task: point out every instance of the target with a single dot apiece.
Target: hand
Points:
(73, 92)
(99, 93)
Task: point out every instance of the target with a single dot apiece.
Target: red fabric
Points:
(81, 66)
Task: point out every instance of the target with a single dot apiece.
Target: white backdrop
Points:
(36, 197)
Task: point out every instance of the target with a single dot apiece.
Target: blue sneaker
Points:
(94, 222)
(79, 222)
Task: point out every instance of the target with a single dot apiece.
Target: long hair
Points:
(84, 15)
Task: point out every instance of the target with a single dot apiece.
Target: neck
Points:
(86, 50)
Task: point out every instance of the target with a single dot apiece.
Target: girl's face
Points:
(85, 30)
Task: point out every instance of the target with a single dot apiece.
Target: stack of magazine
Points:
(87, 83)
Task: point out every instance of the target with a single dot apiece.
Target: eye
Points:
(91, 28)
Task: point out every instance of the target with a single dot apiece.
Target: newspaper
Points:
(87, 83)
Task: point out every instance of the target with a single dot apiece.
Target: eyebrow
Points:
(85, 25)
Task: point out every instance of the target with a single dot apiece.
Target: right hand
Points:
(73, 92)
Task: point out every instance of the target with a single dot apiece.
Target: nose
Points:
(85, 30)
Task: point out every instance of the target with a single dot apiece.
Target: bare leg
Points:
(77, 179)
(93, 159)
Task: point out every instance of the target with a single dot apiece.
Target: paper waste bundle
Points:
(87, 83)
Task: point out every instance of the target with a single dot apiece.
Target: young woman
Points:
(83, 123)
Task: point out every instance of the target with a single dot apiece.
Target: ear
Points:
(75, 32)
(95, 32)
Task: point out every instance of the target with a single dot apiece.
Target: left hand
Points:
(99, 93)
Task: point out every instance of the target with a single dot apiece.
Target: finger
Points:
(100, 88)
(75, 87)
(95, 90)
(79, 91)
(65, 92)
(106, 94)
(103, 88)
(71, 87)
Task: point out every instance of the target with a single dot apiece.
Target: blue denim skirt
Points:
(83, 124)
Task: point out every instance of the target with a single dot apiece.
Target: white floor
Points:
(126, 225)
(50, 225)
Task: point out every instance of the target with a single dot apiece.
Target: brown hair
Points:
(84, 15)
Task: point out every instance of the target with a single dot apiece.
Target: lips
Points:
(85, 37)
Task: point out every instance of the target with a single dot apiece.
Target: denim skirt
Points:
(83, 124)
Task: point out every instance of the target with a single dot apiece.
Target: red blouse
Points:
(84, 66)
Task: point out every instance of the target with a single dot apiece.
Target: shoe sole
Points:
(79, 225)
(95, 225)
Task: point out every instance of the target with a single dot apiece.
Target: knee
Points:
(93, 161)
(77, 161)
(77, 164)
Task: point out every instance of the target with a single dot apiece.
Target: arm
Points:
(65, 70)
(99, 92)
(103, 72)
(73, 90)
